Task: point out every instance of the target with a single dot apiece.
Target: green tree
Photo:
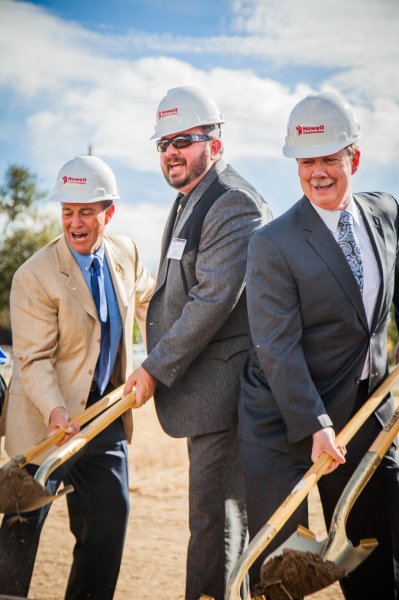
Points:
(26, 227)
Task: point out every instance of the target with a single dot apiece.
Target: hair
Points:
(214, 131)
(107, 204)
(352, 149)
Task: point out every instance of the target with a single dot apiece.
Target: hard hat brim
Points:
(315, 150)
(81, 198)
(172, 129)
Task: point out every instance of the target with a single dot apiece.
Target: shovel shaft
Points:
(302, 489)
(65, 452)
(336, 538)
(51, 440)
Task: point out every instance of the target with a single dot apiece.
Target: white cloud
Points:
(143, 223)
(359, 38)
(85, 95)
(77, 87)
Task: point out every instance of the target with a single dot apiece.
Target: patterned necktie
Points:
(349, 245)
(98, 291)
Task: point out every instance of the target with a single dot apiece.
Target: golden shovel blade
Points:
(345, 555)
(20, 492)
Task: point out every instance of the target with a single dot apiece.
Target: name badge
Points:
(176, 248)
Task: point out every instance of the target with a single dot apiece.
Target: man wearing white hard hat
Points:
(197, 328)
(320, 282)
(72, 310)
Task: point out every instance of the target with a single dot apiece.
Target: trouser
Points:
(271, 475)
(98, 512)
(217, 515)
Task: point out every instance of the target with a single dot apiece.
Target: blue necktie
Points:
(103, 366)
(349, 245)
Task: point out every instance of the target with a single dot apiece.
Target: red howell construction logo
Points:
(78, 180)
(167, 113)
(306, 129)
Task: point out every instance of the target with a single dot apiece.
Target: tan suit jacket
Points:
(56, 335)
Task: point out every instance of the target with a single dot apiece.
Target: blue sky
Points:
(78, 73)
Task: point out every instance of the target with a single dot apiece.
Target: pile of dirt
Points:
(294, 574)
(18, 490)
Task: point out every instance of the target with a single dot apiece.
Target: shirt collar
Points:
(331, 217)
(84, 260)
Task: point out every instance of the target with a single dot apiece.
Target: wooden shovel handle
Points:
(79, 440)
(386, 436)
(320, 467)
(81, 419)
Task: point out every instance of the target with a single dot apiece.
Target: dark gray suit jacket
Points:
(309, 327)
(197, 326)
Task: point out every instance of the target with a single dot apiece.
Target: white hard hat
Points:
(319, 125)
(183, 108)
(85, 179)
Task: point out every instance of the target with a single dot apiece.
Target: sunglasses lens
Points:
(182, 141)
(162, 145)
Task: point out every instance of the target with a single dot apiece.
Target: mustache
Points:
(323, 182)
(175, 161)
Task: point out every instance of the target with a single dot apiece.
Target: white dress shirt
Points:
(371, 272)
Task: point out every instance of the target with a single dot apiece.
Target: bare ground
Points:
(154, 557)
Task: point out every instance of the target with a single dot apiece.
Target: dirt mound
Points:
(18, 490)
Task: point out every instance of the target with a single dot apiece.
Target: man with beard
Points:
(197, 328)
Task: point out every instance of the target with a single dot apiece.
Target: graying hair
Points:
(214, 131)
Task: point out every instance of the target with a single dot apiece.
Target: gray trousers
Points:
(217, 513)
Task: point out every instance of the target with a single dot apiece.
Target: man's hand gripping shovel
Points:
(19, 492)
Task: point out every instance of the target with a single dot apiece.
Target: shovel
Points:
(15, 482)
(335, 549)
(302, 489)
(40, 497)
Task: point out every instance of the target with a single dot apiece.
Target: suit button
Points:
(174, 370)
(357, 380)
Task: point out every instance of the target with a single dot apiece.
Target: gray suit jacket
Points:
(197, 327)
(309, 327)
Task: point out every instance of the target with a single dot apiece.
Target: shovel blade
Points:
(346, 555)
(14, 504)
(303, 540)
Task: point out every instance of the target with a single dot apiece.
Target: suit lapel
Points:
(75, 282)
(117, 271)
(167, 234)
(376, 233)
(197, 194)
(323, 242)
(195, 197)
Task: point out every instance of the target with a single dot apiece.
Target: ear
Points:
(109, 212)
(216, 147)
(355, 161)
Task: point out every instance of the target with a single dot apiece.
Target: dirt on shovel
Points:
(18, 490)
(294, 574)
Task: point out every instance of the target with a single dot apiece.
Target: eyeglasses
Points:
(181, 141)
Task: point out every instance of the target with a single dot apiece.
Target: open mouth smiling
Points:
(322, 186)
(78, 236)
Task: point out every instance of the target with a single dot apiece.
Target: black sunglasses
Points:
(181, 141)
